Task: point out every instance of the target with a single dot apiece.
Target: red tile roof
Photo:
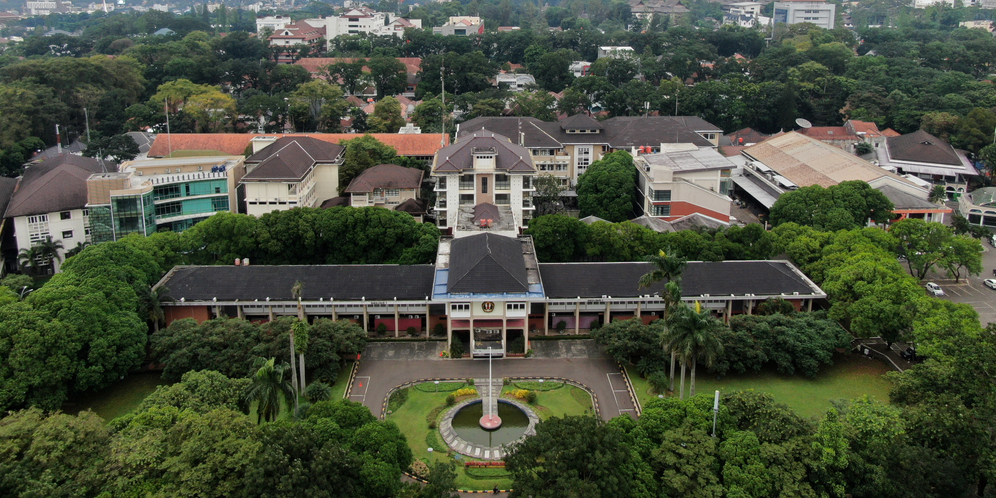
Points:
(889, 132)
(425, 144)
(829, 133)
(868, 128)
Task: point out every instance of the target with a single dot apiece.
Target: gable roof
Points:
(386, 176)
(55, 184)
(922, 147)
(460, 156)
(829, 133)
(624, 132)
(905, 200)
(806, 161)
(290, 158)
(487, 263)
(485, 211)
(7, 186)
(580, 122)
(234, 144)
(413, 206)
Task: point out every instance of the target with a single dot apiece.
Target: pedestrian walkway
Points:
(489, 393)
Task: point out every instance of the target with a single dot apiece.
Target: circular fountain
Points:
(462, 430)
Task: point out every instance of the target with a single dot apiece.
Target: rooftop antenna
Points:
(803, 123)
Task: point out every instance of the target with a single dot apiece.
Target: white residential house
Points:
(799, 11)
(515, 82)
(50, 201)
(367, 21)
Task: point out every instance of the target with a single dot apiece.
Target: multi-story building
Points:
(363, 20)
(616, 52)
(461, 26)
(389, 186)
(567, 147)
(483, 180)
(290, 172)
(822, 14)
(683, 181)
(51, 201)
(272, 23)
(303, 32)
(924, 156)
(46, 7)
(153, 195)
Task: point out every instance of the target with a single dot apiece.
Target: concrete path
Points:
(376, 377)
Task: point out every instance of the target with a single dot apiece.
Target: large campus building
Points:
(485, 289)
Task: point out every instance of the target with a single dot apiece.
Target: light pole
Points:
(25, 293)
(437, 385)
(715, 413)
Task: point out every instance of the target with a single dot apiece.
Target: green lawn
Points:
(851, 376)
(117, 399)
(342, 382)
(411, 419)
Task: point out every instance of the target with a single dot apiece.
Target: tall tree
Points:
(608, 187)
(386, 117)
(388, 74)
(694, 335)
(270, 387)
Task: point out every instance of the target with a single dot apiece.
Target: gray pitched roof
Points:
(697, 220)
(55, 184)
(593, 280)
(341, 282)
(487, 263)
(6, 191)
(529, 132)
(460, 156)
(386, 176)
(290, 158)
(904, 200)
(619, 132)
(922, 147)
(580, 122)
(633, 131)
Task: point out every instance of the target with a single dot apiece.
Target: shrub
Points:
(397, 399)
(517, 345)
(505, 381)
(467, 391)
(419, 469)
(597, 324)
(381, 329)
(412, 332)
(432, 424)
(521, 393)
(439, 330)
(658, 382)
(561, 325)
(456, 349)
(450, 399)
(529, 353)
(318, 391)
(863, 148)
(470, 382)
(531, 397)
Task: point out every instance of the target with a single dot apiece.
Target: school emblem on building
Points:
(488, 306)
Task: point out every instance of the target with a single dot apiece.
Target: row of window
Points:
(508, 307)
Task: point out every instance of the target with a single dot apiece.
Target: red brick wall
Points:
(199, 313)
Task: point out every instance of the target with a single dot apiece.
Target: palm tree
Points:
(296, 291)
(300, 330)
(667, 268)
(48, 250)
(76, 250)
(269, 384)
(150, 306)
(29, 260)
(693, 336)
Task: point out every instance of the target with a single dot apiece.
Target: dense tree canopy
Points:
(607, 189)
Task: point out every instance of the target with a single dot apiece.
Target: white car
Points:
(934, 289)
(990, 282)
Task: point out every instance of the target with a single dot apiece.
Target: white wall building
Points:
(272, 23)
(821, 14)
(367, 21)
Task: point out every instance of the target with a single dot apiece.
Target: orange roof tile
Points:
(866, 127)
(425, 144)
(889, 132)
(829, 133)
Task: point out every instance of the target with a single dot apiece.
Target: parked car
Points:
(934, 289)
(990, 282)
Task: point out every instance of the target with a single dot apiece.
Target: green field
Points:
(342, 382)
(851, 376)
(422, 401)
(117, 399)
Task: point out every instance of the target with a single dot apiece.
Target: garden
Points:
(418, 410)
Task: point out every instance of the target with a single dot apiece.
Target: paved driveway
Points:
(971, 290)
(376, 377)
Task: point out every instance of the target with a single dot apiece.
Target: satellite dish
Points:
(803, 123)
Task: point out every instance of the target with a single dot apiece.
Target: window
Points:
(86, 212)
(661, 195)
(217, 190)
(583, 158)
(67, 234)
(515, 306)
(662, 210)
(502, 182)
(66, 215)
(460, 307)
(37, 228)
(392, 192)
(467, 182)
(466, 199)
(502, 200)
(484, 185)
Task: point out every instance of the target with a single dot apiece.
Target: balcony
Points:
(505, 185)
(440, 185)
(466, 185)
(374, 200)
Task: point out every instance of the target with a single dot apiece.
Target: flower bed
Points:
(484, 464)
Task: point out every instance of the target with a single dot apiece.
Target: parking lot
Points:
(971, 290)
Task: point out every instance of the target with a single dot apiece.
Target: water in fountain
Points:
(466, 423)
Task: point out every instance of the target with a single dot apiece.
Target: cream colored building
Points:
(685, 180)
(290, 172)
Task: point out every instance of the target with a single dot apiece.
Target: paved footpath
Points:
(376, 377)
(384, 366)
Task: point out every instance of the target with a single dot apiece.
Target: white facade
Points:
(821, 14)
(580, 68)
(264, 197)
(616, 52)
(515, 82)
(272, 23)
(70, 227)
(365, 21)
